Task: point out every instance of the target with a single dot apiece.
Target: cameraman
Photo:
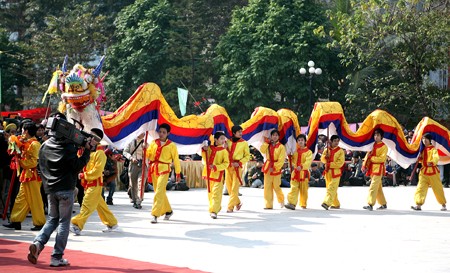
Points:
(59, 166)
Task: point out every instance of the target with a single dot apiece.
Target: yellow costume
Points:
(29, 197)
(333, 172)
(376, 169)
(429, 176)
(161, 156)
(275, 154)
(299, 179)
(92, 181)
(217, 156)
(239, 152)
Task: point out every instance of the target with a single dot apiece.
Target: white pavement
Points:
(280, 240)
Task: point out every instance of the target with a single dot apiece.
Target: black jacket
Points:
(59, 165)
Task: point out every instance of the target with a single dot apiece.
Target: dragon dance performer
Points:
(92, 181)
(429, 175)
(215, 160)
(275, 153)
(301, 162)
(374, 164)
(239, 154)
(161, 153)
(29, 197)
(334, 158)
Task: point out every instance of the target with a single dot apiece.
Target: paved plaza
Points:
(279, 240)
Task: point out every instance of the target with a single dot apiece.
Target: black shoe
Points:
(14, 225)
(289, 206)
(36, 228)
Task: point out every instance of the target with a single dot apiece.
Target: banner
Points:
(182, 100)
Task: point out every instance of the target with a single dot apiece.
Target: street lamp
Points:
(312, 71)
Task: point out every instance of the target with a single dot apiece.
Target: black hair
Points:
(275, 131)
(428, 136)
(235, 128)
(58, 115)
(218, 134)
(30, 127)
(97, 132)
(301, 136)
(378, 131)
(333, 137)
(165, 126)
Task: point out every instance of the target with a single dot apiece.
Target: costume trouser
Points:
(60, 206)
(161, 203)
(422, 188)
(29, 199)
(232, 179)
(376, 191)
(272, 184)
(298, 188)
(135, 175)
(332, 184)
(215, 196)
(93, 201)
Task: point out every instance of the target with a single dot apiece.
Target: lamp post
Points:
(312, 71)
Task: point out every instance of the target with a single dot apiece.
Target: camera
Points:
(61, 128)
(139, 163)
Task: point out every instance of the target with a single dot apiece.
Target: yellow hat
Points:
(10, 127)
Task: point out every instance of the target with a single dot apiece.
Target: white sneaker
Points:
(168, 215)
(75, 230)
(154, 220)
(111, 229)
(59, 262)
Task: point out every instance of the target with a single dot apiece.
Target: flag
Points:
(182, 100)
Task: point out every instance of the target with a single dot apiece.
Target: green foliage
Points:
(141, 53)
(12, 65)
(390, 48)
(259, 58)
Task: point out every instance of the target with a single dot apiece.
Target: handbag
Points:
(126, 163)
(124, 178)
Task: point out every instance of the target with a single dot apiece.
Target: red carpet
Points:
(13, 259)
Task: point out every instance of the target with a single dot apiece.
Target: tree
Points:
(12, 62)
(259, 57)
(179, 48)
(141, 53)
(389, 48)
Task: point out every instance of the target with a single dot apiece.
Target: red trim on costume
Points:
(300, 152)
(382, 168)
(428, 170)
(331, 159)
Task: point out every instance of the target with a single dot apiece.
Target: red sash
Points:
(382, 168)
(428, 170)
(154, 164)
(271, 160)
(332, 152)
(214, 150)
(300, 152)
(230, 154)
